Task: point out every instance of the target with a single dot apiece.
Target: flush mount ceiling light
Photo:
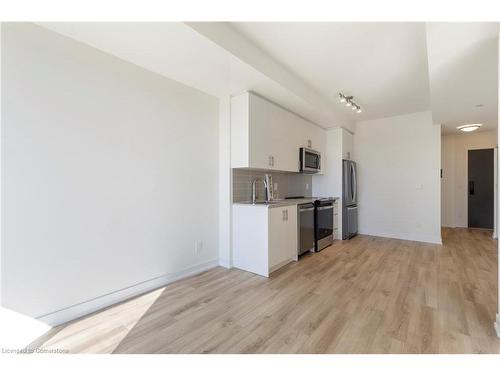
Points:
(469, 127)
(348, 100)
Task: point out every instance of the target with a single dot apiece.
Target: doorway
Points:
(481, 188)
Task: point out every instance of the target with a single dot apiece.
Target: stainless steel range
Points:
(315, 224)
(323, 223)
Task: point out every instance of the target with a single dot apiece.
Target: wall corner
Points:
(497, 325)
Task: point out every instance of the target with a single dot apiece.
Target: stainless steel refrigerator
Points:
(349, 199)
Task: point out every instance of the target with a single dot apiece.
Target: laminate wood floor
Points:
(366, 295)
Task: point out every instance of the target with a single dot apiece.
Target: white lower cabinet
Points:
(282, 236)
(264, 238)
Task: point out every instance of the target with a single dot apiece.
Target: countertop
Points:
(280, 202)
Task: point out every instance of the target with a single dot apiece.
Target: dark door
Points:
(480, 188)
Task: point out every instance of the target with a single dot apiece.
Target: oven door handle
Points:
(306, 209)
(325, 208)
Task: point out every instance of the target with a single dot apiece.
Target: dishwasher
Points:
(305, 230)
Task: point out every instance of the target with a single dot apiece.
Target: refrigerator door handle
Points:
(346, 180)
(354, 185)
(351, 184)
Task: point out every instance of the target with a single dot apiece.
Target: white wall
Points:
(454, 160)
(329, 183)
(225, 184)
(448, 187)
(398, 162)
(110, 175)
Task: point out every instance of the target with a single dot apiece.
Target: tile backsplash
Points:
(289, 184)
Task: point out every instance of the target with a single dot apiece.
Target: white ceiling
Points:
(384, 65)
(390, 68)
(177, 51)
(463, 70)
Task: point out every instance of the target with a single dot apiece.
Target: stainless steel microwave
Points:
(310, 160)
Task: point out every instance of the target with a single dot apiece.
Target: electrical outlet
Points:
(198, 246)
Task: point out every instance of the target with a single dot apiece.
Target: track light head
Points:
(348, 101)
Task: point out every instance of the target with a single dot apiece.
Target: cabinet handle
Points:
(285, 215)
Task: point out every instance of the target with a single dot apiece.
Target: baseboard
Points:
(81, 309)
(497, 325)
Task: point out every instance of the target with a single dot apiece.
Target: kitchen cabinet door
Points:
(282, 223)
(264, 137)
(271, 146)
(347, 145)
(291, 233)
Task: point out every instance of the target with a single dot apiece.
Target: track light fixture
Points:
(348, 100)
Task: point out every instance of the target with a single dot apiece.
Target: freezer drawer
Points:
(352, 221)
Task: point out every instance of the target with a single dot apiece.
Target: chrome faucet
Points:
(254, 195)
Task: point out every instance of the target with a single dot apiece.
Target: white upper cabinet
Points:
(266, 136)
(347, 145)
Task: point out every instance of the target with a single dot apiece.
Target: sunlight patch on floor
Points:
(107, 328)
